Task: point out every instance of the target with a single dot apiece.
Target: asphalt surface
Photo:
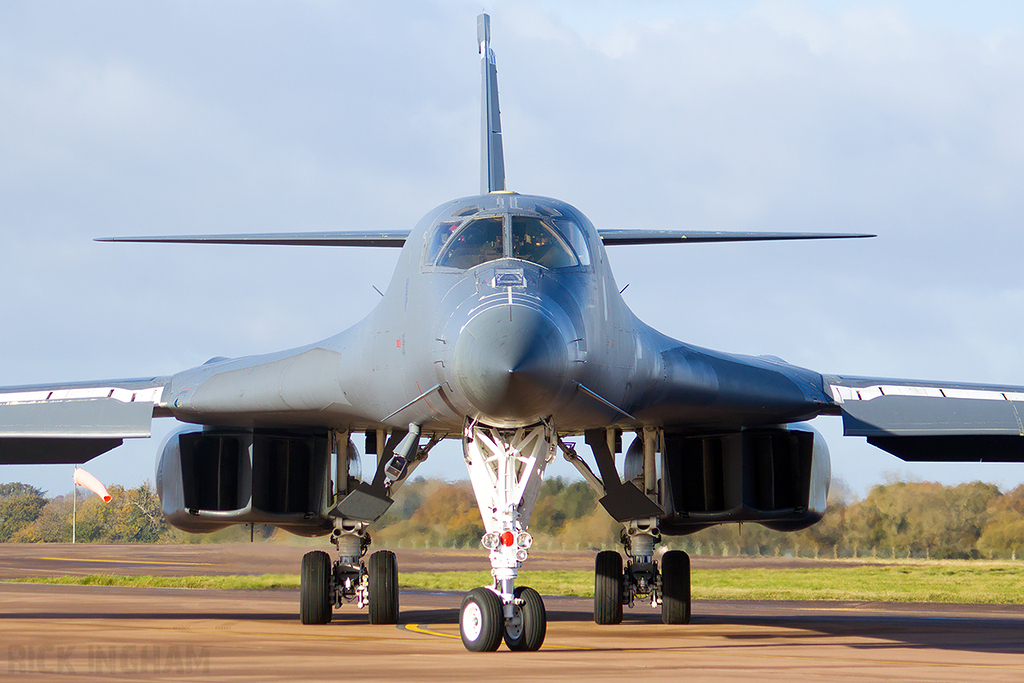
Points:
(86, 632)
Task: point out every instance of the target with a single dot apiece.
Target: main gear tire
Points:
(675, 587)
(315, 588)
(608, 588)
(383, 587)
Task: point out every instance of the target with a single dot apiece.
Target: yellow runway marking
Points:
(86, 559)
(416, 628)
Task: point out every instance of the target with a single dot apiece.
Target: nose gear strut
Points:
(505, 467)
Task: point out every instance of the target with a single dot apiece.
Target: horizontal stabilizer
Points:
(623, 237)
(375, 238)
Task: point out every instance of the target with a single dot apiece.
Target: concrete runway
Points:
(83, 632)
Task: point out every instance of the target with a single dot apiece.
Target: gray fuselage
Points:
(502, 309)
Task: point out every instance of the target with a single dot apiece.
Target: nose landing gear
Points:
(505, 467)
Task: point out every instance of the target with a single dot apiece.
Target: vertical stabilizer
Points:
(492, 160)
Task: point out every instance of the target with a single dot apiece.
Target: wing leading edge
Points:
(933, 421)
(370, 238)
(616, 236)
(73, 423)
(397, 238)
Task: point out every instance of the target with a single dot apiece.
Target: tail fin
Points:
(492, 160)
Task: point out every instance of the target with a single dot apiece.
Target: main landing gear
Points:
(505, 467)
(325, 585)
(665, 583)
(637, 503)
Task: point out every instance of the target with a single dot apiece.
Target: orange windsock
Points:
(83, 478)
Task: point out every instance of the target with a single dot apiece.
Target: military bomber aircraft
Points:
(502, 327)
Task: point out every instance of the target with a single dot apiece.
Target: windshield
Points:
(572, 232)
(479, 241)
(441, 234)
(534, 240)
(552, 242)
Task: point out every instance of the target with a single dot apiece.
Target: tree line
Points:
(895, 520)
(131, 516)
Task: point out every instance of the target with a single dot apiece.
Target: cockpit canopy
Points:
(555, 241)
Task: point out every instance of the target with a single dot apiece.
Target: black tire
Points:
(383, 587)
(675, 587)
(481, 620)
(315, 588)
(608, 587)
(525, 633)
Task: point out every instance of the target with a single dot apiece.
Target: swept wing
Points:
(369, 238)
(933, 421)
(397, 238)
(616, 236)
(75, 422)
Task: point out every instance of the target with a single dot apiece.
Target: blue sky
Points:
(901, 118)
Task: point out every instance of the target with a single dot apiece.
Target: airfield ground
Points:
(83, 632)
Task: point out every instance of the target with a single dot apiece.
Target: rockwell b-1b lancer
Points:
(502, 327)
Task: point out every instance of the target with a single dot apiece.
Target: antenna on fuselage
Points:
(492, 160)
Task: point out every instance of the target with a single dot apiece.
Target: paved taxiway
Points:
(84, 632)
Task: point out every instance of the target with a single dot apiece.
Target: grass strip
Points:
(1002, 584)
(963, 582)
(244, 582)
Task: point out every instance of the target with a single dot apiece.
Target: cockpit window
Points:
(572, 232)
(555, 241)
(534, 240)
(477, 242)
(441, 234)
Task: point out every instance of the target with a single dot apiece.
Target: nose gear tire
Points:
(481, 620)
(526, 630)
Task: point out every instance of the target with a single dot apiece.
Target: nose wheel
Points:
(505, 467)
(481, 620)
(484, 621)
(525, 630)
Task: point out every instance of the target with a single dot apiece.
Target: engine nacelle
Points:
(778, 477)
(213, 478)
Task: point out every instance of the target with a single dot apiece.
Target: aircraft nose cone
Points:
(511, 368)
